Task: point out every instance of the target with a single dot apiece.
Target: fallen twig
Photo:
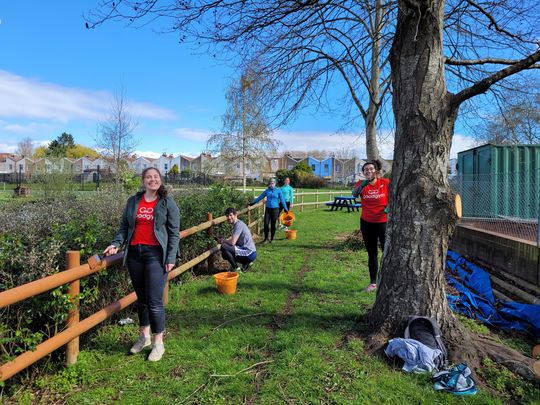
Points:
(193, 393)
(241, 371)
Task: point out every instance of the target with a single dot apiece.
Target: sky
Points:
(57, 76)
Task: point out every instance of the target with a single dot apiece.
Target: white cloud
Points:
(29, 98)
(192, 134)
(461, 143)
(7, 148)
(149, 154)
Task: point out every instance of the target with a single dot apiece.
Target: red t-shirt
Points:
(374, 201)
(144, 224)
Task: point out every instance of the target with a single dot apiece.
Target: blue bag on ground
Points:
(476, 299)
(457, 380)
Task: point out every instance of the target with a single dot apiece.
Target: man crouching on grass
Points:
(239, 250)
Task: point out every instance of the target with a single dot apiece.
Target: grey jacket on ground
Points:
(166, 227)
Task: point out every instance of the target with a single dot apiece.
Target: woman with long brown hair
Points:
(150, 234)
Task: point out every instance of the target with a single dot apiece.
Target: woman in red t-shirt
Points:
(373, 192)
(149, 232)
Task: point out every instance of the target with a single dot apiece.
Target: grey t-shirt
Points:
(244, 236)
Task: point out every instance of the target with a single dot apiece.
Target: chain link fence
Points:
(504, 203)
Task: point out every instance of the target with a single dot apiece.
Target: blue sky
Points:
(57, 76)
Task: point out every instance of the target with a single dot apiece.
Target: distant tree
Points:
(174, 169)
(303, 167)
(518, 121)
(40, 152)
(246, 137)
(115, 137)
(25, 147)
(78, 151)
(59, 147)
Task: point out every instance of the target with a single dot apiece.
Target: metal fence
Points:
(505, 203)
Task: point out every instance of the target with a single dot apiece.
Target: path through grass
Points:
(288, 336)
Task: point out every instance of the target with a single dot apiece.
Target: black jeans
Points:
(270, 217)
(229, 253)
(371, 232)
(145, 265)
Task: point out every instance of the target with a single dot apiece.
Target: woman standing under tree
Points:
(274, 198)
(150, 232)
(373, 192)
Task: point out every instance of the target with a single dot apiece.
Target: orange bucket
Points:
(286, 223)
(287, 216)
(226, 282)
(290, 234)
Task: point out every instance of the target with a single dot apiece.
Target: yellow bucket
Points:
(226, 282)
(290, 234)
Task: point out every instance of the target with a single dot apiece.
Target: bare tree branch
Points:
(483, 85)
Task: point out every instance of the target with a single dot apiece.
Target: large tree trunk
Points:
(421, 213)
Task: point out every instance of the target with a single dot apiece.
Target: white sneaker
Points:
(140, 344)
(157, 352)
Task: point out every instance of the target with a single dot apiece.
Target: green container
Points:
(497, 181)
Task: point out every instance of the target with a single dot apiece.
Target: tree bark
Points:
(421, 216)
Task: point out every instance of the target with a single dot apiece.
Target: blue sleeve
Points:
(282, 199)
(259, 198)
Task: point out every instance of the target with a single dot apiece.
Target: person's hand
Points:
(220, 240)
(290, 206)
(110, 250)
(169, 267)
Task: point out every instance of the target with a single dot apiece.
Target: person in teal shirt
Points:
(288, 194)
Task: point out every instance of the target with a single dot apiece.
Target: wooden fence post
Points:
(210, 232)
(317, 205)
(73, 259)
(302, 206)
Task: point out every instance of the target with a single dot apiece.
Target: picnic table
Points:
(343, 201)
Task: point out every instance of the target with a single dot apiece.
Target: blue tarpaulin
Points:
(476, 299)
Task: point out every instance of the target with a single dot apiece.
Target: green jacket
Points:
(166, 227)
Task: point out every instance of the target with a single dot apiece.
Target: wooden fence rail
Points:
(75, 271)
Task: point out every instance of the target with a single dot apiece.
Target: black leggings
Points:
(371, 232)
(270, 217)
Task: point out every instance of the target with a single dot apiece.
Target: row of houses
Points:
(330, 168)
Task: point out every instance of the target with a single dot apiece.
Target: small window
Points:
(326, 167)
(338, 168)
(166, 166)
(313, 167)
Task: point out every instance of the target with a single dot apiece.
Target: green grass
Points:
(289, 335)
